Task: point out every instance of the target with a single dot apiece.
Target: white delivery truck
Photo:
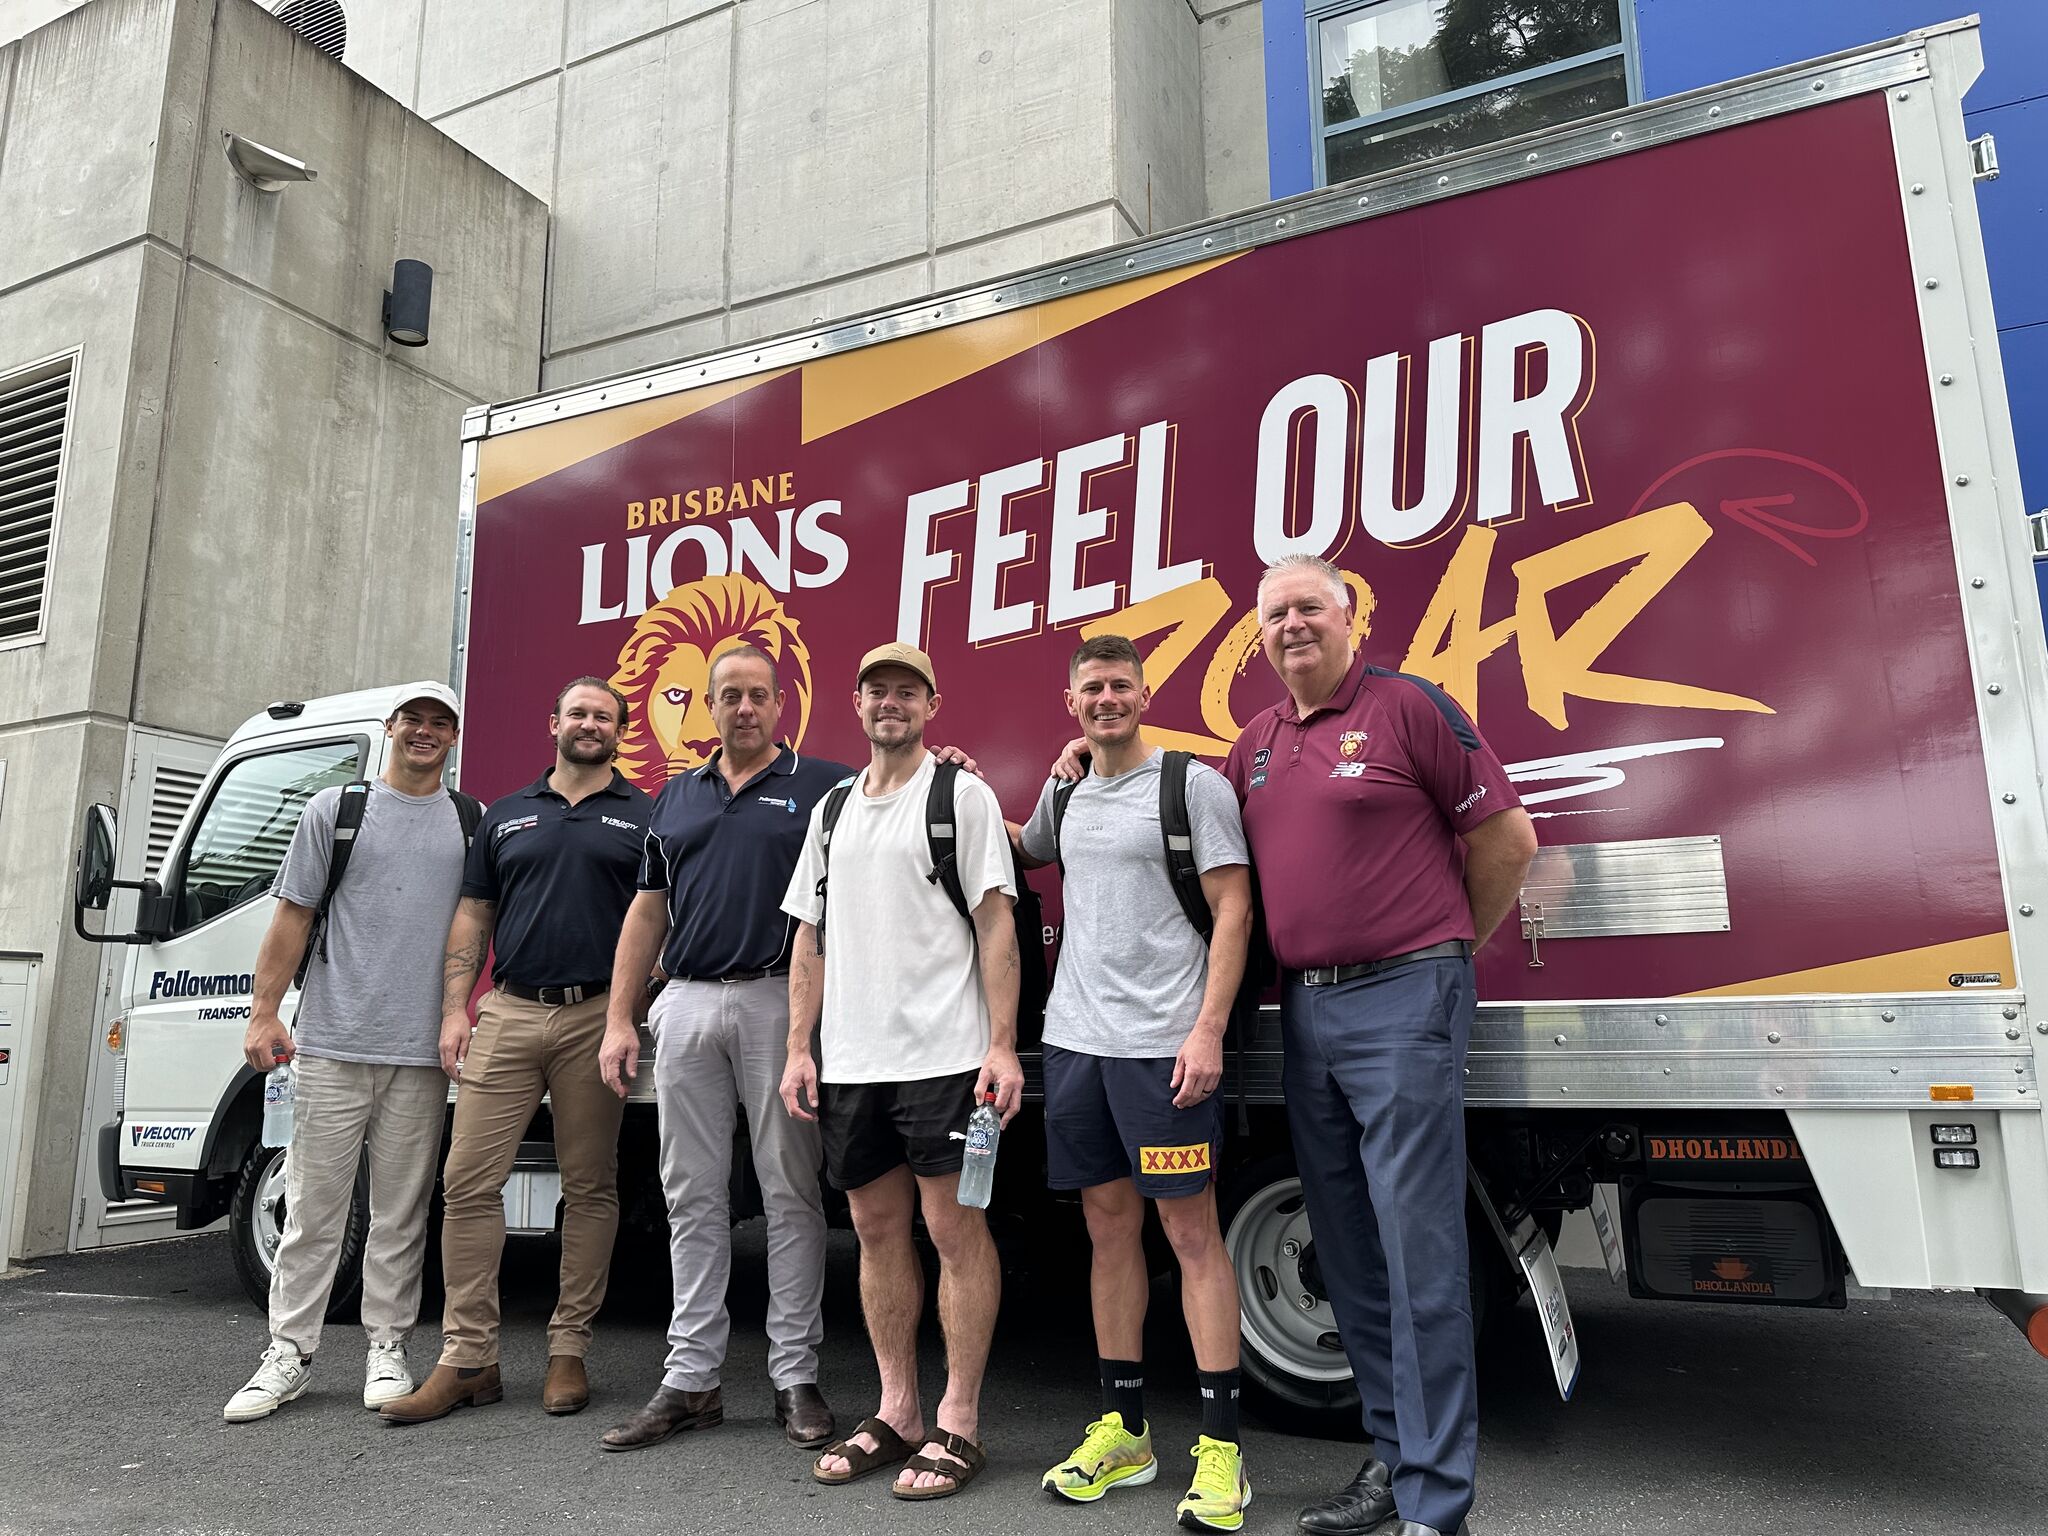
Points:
(1672, 444)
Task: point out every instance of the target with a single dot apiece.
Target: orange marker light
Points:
(1951, 1093)
(114, 1035)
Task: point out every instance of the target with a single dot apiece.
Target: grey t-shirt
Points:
(377, 996)
(1131, 967)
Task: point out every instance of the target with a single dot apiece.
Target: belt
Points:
(732, 976)
(557, 997)
(1330, 975)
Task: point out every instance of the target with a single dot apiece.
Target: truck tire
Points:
(256, 1223)
(1295, 1372)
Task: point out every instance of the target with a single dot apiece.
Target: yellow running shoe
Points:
(1217, 1497)
(1109, 1456)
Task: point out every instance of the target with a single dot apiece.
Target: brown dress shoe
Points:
(443, 1392)
(668, 1412)
(802, 1413)
(567, 1389)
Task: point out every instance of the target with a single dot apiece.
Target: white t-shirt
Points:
(903, 997)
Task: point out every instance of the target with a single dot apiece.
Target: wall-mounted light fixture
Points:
(264, 168)
(407, 304)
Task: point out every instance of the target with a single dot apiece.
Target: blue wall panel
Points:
(2014, 209)
(1290, 123)
(1690, 43)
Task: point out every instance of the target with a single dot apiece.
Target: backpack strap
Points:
(1177, 828)
(470, 812)
(1062, 792)
(942, 837)
(835, 802)
(348, 821)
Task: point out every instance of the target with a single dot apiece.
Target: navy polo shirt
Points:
(562, 878)
(725, 860)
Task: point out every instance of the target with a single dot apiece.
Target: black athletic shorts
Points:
(1113, 1117)
(871, 1129)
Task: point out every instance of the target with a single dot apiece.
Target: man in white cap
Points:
(367, 1055)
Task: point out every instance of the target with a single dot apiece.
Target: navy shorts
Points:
(1113, 1117)
(870, 1129)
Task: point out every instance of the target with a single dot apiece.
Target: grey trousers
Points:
(343, 1107)
(720, 1046)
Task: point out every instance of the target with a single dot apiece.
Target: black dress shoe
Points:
(667, 1413)
(1365, 1504)
(802, 1413)
(1417, 1528)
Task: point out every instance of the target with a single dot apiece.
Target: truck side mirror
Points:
(94, 886)
(95, 882)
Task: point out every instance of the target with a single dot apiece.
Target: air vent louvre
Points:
(34, 406)
(323, 23)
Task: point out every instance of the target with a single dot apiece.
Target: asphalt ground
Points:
(1923, 1413)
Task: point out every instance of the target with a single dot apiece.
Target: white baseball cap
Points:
(440, 693)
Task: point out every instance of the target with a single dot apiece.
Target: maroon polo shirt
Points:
(1354, 817)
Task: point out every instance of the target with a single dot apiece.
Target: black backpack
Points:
(1175, 827)
(943, 844)
(1177, 832)
(348, 821)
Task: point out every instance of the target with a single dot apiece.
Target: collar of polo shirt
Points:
(783, 763)
(541, 786)
(1340, 700)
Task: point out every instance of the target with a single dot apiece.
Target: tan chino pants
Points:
(519, 1051)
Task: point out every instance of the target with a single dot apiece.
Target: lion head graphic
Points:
(664, 667)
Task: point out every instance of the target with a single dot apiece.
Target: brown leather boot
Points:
(668, 1412)
(567, 1389)
(443, 1392)
(802, 1413)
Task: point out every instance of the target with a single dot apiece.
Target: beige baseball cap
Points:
(898, 654)
(440, 693)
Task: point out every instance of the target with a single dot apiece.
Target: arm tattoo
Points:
(463, 962)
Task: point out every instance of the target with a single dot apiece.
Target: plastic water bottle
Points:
(279, 1097)
(978, 1171)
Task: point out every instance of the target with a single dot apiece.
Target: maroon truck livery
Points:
(1672, 444)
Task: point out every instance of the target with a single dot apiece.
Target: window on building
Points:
(35, 405)
(1401, 81)
(248, 823)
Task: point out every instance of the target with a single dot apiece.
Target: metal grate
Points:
(34, 406)
(323, 23)
(170, 796)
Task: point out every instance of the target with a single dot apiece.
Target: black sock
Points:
(1219, 1404)
(1123, 1392)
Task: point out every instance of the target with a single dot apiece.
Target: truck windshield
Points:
(241, 836)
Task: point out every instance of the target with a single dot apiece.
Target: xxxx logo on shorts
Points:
(1193, 1159)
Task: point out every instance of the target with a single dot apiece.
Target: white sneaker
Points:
(385, 1376)
(281, 1377)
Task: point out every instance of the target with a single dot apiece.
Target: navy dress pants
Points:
(1375, 1084)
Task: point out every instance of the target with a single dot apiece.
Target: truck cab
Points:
(188, 1108)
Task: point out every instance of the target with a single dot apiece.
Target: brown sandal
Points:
(969, 1456)
(890, 1449)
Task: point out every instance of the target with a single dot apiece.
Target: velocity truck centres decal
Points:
(1639, 494)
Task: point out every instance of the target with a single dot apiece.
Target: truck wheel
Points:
(256, 1223)
(1296, 1374)
(1295, 1371)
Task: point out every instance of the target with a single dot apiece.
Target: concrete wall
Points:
(721, 170)
(1233, 103)
(20, 17)
(259, 492)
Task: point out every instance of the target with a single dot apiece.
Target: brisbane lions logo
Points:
(664, 664)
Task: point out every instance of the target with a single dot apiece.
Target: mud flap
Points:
(1529, 1247)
